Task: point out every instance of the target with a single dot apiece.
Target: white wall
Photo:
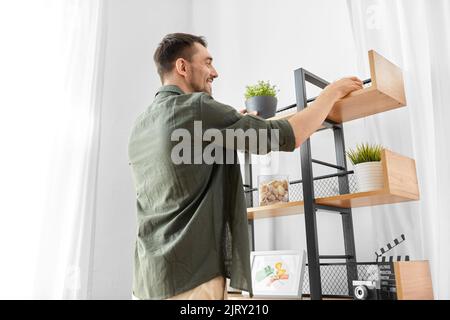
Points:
(134, 29)
(249, 41)
(268, 40)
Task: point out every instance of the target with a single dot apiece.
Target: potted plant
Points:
(261, 97)
(366, 159)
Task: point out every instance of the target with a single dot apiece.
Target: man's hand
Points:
(244, 111)
(340, 88)
(307, 121)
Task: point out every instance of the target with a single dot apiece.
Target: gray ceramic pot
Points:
(264, 105)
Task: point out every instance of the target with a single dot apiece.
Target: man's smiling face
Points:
(200, 71)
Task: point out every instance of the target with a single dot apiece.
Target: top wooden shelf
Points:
(386, 93)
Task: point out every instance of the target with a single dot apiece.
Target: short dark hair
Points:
(172, 47)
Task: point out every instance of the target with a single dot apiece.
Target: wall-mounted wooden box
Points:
(386, 92)
(400, 184)
(413, 280)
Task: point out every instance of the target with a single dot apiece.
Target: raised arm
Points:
(307, 121)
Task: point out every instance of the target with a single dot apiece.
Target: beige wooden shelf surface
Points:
(385, 93)
(400, 184)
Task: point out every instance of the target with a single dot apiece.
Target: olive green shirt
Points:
(192, 218)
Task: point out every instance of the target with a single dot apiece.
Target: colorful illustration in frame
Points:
(277, 273)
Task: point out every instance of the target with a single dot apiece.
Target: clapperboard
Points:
(388, 289)
(388, 247)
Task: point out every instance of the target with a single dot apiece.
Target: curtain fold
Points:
(414, 34)
(53, 76)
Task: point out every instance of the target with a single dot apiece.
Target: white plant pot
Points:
(369, 176)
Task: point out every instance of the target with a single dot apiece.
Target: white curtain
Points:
(414, 34)
(49, 130)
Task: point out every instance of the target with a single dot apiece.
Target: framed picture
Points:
(278, 274)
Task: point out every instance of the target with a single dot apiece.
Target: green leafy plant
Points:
(262, 88)
(365, 153)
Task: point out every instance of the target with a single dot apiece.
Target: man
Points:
(192, 221)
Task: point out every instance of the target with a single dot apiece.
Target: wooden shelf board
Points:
(385, 93)
(363, 199)
(350, 200)
(275, 210)
(356, 105)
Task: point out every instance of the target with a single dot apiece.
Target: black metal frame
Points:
(249, 196)
(310, 207)
(332, 280)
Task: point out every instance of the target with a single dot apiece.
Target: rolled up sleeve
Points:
(266, 135)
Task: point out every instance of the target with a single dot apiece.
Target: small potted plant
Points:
(366, 159)
(261, 97)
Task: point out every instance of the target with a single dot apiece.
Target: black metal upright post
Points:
(347, 220)
(312, 243)
(310, 207)
(249, 196)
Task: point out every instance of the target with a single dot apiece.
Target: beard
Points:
(206, 87)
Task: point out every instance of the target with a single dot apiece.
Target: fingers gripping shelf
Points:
(385, 93)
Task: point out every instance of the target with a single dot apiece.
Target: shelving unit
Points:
(385, 93)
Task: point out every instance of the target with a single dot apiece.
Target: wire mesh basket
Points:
(326, 187)
(334, 277)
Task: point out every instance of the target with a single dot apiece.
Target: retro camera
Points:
(365, 290)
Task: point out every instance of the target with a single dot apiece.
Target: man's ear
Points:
(180, 67)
